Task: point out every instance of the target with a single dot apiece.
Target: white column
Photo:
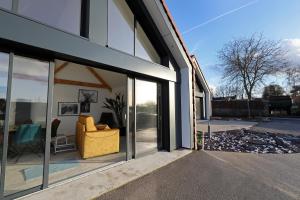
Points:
(208, 104)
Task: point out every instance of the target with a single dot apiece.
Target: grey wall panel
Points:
(172, 116)
(24, 31)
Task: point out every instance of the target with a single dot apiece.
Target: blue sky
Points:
(206, 25)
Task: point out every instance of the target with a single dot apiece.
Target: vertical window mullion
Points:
(48, 125)
(134, 34)
(84, 18)
(6, 125)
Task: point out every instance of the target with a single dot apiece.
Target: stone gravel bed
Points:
(250, 141)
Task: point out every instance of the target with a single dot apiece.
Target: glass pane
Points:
(130, 149)
(143, 47)
(27, 123)
(120, 26)
(85, 135)
(62, 14)
(198, 108)
(4, 63)
(146, 117)
(7, 4)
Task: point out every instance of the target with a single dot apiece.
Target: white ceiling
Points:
(79, 72)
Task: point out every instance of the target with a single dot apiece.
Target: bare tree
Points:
(227, 90)
(248, 61)
(293, 75)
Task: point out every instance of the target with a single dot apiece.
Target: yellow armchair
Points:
(94, 140)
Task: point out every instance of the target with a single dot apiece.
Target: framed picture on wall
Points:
(68, 108)
(88, 96)
(85, 107)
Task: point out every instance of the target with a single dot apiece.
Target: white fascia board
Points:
(159, 16)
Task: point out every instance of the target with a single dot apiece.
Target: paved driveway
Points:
(279, 125)
(218, 175)
(223, 125)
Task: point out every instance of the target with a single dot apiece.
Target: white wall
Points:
(69, 93)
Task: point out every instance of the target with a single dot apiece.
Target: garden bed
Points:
(250, 141)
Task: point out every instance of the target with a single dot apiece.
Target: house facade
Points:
(87, 84)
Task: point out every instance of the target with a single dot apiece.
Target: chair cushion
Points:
(89, 124)
(102, 127)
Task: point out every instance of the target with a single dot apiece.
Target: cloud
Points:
(293, 50)
(218, 17)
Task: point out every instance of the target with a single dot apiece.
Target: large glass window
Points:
(6, 4)
(4, 63)
(120, 26)
(87, 133)
(143, 47)
(62, 14)
(27, 123)
(198, 108)
(146, 117)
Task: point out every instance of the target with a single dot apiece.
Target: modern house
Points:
(63, 63)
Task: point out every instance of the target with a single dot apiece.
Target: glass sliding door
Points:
(27, 125)
(4, 65)
(198, 108)
(146, 117)
(130, 113)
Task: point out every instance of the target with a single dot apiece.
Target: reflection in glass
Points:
(6, 4)
(198, 108)
(143, 47)
(4, 63)
(120, 26)
(171, 66)
(27, 122)
(130, 119)
(146, 117)
(62, 14)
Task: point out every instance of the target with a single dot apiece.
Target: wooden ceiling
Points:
(102, 83)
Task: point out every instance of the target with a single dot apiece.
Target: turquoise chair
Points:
(27, 136)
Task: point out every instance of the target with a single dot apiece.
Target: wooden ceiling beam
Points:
(59, 68)
(78, 83)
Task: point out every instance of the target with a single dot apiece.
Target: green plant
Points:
(117, 105)
(199, 137)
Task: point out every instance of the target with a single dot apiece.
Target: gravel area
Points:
(250, 141)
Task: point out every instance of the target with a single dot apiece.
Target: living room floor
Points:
(27, 171)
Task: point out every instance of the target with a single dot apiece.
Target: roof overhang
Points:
(163, 20)
(200, 75)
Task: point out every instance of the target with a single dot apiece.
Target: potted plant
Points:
(117, 105)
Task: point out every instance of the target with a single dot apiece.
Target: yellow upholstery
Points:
(94, 140)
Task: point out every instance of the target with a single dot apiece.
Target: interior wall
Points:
(69, 93)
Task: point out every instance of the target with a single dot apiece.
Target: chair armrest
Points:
(102, 133)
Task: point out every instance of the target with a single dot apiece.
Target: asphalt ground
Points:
(211, 175)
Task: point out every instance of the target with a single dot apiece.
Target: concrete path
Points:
(218, 176)
(92, 185)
